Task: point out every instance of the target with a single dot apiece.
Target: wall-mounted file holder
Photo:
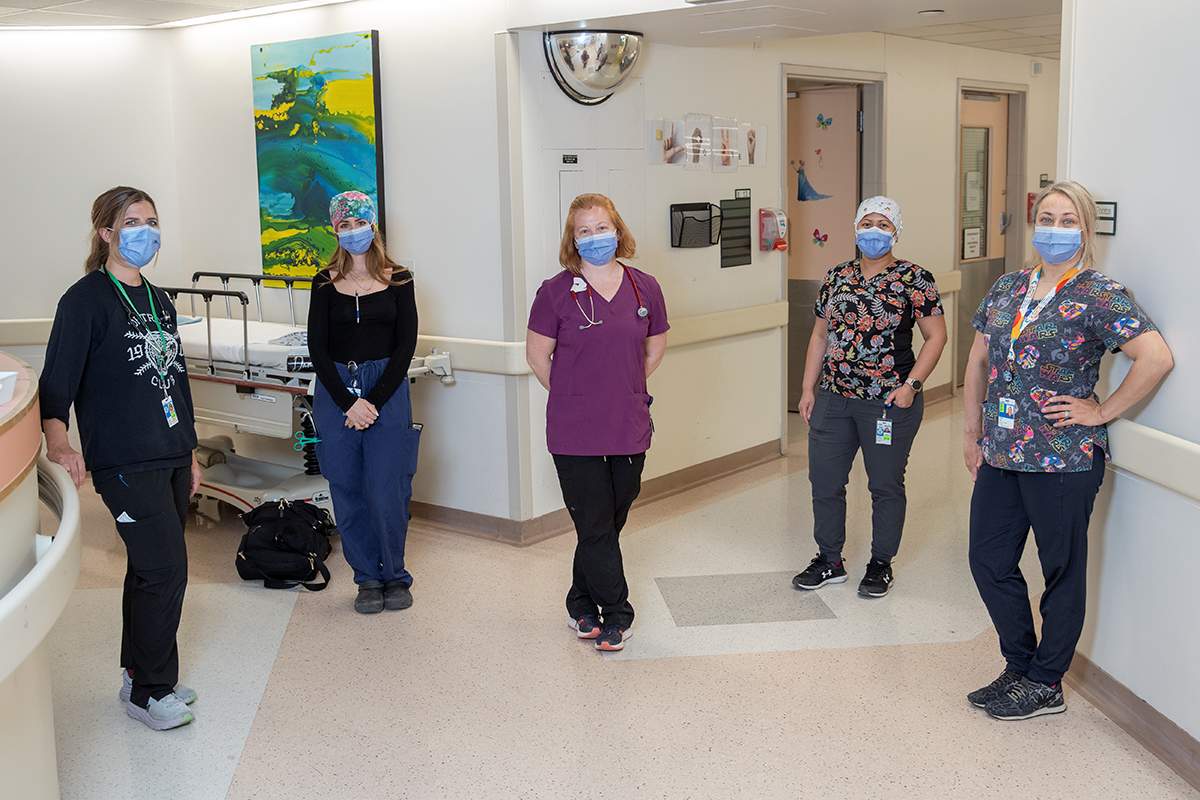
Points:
(695, 224)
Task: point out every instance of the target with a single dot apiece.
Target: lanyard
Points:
(1024, 317)
(161, 363)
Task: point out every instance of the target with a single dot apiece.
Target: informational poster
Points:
(974, 196)
(665, 141)
(697, 131)
(753, 145)
(725, 134)
(972, 243)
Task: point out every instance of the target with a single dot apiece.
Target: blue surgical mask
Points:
(138, 245)
(357, 240)
(873, 242)
(597, 250)
(1056, 245)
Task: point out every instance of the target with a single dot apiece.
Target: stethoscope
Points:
(579, 284)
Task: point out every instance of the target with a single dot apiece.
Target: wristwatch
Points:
(915, 384)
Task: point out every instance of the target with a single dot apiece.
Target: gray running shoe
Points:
(997, 688)
(184, 693)
(161, 715)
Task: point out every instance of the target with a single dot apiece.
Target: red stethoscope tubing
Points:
(642, 311)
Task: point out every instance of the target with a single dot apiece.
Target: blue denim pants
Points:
(370, 476)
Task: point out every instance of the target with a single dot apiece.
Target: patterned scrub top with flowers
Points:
(1058, 353)
(870, 326)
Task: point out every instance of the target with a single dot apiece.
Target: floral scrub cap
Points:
(880, 205)
(351, 204)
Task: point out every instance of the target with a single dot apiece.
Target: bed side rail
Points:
(257, 280)
(208, 295)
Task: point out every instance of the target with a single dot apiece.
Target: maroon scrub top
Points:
(598, 403)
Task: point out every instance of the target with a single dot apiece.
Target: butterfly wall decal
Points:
(819, 239)
(824, 122)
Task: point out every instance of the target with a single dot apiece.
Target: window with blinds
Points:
(974, 211)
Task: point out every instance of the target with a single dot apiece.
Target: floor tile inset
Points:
(739, 599)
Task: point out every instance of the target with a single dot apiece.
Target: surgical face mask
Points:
(597, 250)
(357, 240)
(1056, 245)
(138, 245)
(873, 242)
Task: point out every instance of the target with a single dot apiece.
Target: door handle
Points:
(1005, 221)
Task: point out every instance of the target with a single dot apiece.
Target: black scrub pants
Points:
(598, 491)
(1058, 506)
(150, 509)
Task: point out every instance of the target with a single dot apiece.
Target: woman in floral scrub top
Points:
(1035, 440)
(869, 396)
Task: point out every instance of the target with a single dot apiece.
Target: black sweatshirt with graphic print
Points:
(112, 365)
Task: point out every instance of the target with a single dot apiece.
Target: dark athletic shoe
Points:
(396, 596)
(370, 597)
(997, 688)
(1028, 699)
(820, 572)
(586, 627)
(612, 637)
(878, 579)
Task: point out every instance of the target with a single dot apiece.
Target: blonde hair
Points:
(107, 212)
(568, 253)
(379, 266)
(1085, 207)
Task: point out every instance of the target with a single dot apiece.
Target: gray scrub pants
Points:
(838, 428)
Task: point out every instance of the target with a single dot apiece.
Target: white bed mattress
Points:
(228, 342)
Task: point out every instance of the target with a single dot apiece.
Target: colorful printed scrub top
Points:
(870, 326)
(1059, 352)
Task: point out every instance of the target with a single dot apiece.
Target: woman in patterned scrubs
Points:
(1035, 440)
(869, 396)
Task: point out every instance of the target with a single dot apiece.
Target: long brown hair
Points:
(107, 212)
(379, 265)
(568, 253)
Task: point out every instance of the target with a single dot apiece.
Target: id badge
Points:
(353, 389)
(1008, 412)
(883, 431)
(169, 410)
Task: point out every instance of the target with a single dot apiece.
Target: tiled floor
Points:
(733, 685)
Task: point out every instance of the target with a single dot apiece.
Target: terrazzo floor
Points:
(733, 684)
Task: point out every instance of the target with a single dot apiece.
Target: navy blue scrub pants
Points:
(838, 428)
(598, 491)
(1058, 505)
(150, 509)
(370, 476)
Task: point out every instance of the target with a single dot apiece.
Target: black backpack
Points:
(287, 544)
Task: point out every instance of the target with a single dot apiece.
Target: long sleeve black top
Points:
(384, 325)
(112, 366)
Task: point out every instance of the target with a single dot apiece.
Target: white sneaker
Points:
(161, 715)
(185, 693)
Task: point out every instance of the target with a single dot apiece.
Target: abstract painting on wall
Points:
(317, 132)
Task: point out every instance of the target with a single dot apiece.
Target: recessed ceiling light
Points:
(932, 11)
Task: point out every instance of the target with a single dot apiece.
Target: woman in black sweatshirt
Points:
(362, 330)
(115, 354)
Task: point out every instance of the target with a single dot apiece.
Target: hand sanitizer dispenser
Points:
(772, 229)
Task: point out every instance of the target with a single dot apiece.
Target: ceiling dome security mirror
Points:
(590, 65)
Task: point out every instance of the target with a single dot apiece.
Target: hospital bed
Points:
(251, 376)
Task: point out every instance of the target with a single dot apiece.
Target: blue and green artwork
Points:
(318, 133)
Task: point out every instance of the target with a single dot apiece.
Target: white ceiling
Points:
(125, 13)
(1028, 27)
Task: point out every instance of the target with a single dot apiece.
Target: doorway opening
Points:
(833, 141)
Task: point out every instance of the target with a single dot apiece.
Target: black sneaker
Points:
(820, 572)
(612, 637)
(997, 688)
(370, 597)
(1028, 699)
(586, 627)
(878, 579)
